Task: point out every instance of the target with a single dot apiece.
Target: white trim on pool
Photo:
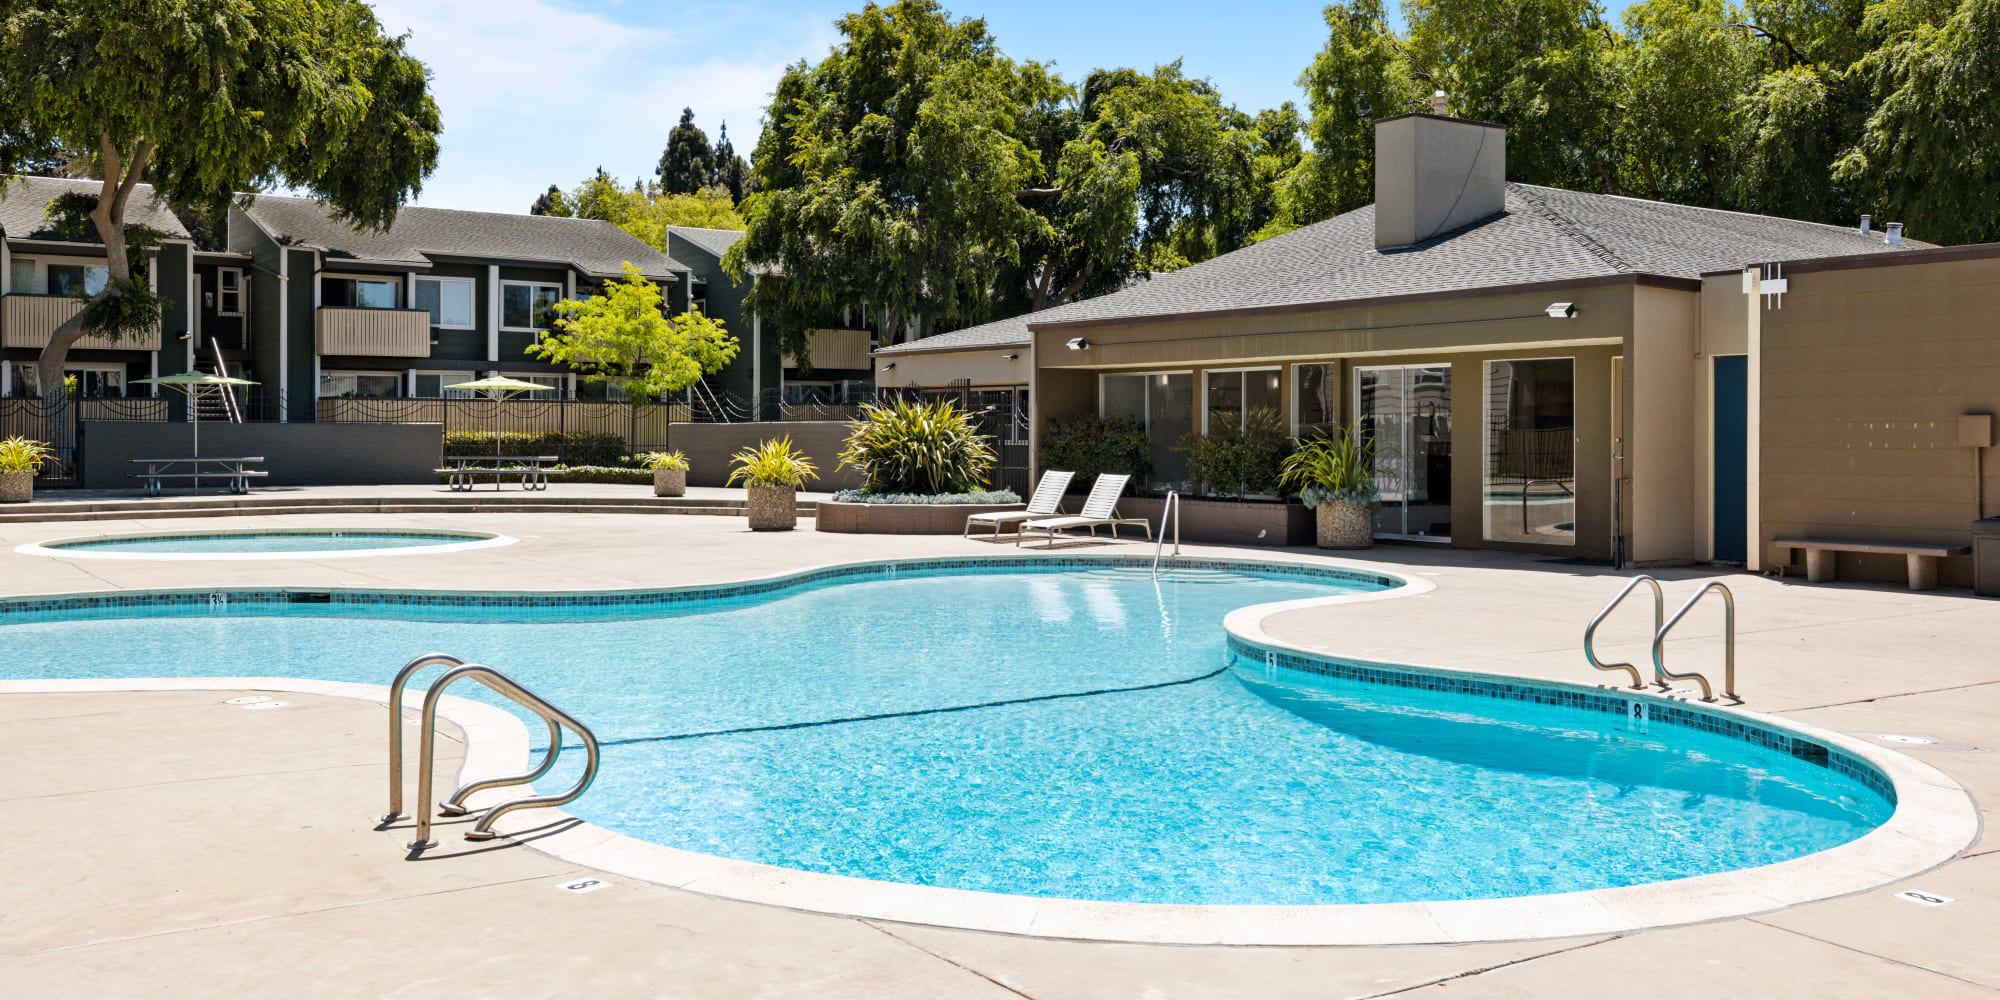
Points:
(1934, 820)
(79, 547)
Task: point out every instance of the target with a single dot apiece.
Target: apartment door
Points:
(1730, 391)
(1406, 411)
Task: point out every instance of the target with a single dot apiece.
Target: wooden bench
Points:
(1922, 558)
(232, 470)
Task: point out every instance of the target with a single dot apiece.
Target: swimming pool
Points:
(263, 543)
(1048, 728)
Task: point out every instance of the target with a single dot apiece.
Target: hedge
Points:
(614, 474)
(580, 447)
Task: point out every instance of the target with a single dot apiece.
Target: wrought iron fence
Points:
(62, 427)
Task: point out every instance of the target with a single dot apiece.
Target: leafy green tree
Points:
(688, 163)
(205, 98)
(624, 337)
(1682, 71)
(551, 202)
(1359, 76)
(732, 173)
(643, 209)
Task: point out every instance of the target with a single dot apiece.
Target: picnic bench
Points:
(1922, 558)
(463, 472)
(235, 471)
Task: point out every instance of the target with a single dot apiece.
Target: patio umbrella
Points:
(500, 387)
(191, 384)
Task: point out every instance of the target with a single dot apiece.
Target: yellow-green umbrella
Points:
(191, 385)
(500, 387)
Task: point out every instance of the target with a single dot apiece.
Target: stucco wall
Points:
(984, 368)
(709, 447)
(1666, 427)
(1865, 372)
(295, 454)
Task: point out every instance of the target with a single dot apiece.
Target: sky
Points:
(540, 92)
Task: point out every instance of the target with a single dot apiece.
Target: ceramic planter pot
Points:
(773, 508)
(17, 487)
(1345, 525)
(670, 482)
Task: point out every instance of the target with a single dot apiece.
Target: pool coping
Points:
(1934, 822)
(51, 548)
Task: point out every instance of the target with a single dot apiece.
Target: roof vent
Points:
(1866, 221)
(1895, 234)
(1437, 103)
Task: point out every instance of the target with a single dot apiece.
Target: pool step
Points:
(240, 506)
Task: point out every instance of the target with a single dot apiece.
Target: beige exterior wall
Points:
(1864, 374)
(1664, 446)
(985, 368)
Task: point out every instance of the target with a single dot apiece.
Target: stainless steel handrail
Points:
(505, 686)
(396, 726)
(1172, 507)
(1728, 644)
(1590, 630)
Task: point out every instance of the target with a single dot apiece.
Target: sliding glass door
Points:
(1406, 411)
(1529, 472)
(1162, 403)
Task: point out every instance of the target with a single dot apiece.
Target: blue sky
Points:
(536, 92)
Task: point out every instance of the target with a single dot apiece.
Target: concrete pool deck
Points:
(170, 840)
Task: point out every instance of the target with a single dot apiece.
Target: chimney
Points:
(1865, 220)
(1435, 173)
(1895, 234)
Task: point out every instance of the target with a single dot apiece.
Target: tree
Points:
(643, 209)
(1359, 76)
(206, 98)
(732, 174)
(551, 202)
(688, 164)
(624, 337)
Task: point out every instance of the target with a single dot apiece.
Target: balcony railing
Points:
(29, 320)
(836, 350)
(386, 333)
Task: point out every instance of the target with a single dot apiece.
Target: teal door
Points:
(1732, 455)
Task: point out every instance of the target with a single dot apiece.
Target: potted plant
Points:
(670, 472)
(772, 473)
(1335, 476)
(20, 459)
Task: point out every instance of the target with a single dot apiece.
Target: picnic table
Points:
(463, 472)
(236, 471)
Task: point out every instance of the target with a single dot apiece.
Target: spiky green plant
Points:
(931, 447)
(19, 454)
(773, 463)
(1339, 468)
(657, 460)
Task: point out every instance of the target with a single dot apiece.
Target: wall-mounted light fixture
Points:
(1010, 357)
(1561, 310)
(891, 366)
(1077, 343)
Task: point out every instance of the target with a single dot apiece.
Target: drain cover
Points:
(266, 704)
(248, 699)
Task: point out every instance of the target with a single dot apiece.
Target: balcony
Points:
(29, 320)
(378, 333)
(836, 350)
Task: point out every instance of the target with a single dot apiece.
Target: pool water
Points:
(1070, 734)
(264, 541)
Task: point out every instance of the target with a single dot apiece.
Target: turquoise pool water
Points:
(264, 541)
(1058, 733)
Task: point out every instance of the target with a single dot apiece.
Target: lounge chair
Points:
(1046, 501)
(1101, 507)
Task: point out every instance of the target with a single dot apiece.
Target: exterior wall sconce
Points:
(891, 366)
(1077, 343)
(1561, 310)
(1010, 357)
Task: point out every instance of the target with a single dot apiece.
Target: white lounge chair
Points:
(1046, 501)
(1101, 507)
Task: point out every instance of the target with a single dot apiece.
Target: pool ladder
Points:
(1171, 509)
(501, 684)
(1663, 625)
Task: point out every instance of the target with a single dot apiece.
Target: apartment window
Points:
(1530, 467)
(560, 383)
(229, 291)
(360, 293)
(21, 276)
(73, 279)
(431, 385)
(360, 385)
(1242, 401)
(449, 301)
(528, 305)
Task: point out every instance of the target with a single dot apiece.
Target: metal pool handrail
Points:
(396, 726)
(1728, 644)
(505, 686)
(1173, 509)
(1590, 630)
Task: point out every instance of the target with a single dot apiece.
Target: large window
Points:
(73, 279)
(528, 306)
(1243, 401)
(450, 302)
(1162, 403)
(229, 291)
(360, 293)
(91, 382)
(21, 276)
(1530, 467)
(360, 385)
(1315, 399)
(1406, 411)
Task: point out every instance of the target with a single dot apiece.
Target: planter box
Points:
(902, 518)
(1226, 522)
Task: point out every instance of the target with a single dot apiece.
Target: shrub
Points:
(1238, 462)
(928, 448)
(601, 474)
(773, 463)
(990, 497)
(19, 454)
(1335, 469)
(580, 447)
(1090, 447)
(656, 460)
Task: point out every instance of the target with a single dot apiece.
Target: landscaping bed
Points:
(855, 512)
(1228, 522)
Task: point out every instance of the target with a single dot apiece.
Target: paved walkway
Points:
(169, 843)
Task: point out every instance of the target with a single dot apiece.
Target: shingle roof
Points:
(715, 241)
(24, 207)
(593, 246)
(1545, 234)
